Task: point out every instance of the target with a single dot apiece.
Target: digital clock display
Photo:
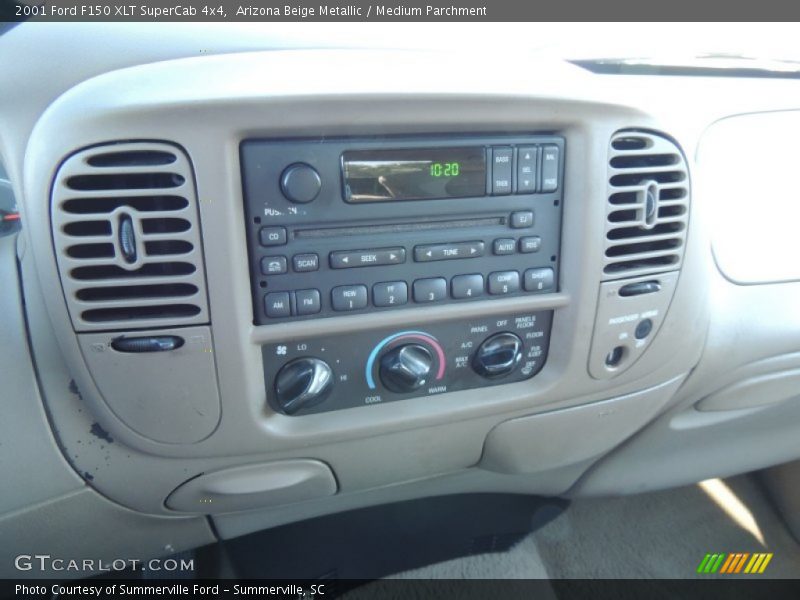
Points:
(414, 174)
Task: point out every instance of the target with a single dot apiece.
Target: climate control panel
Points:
(315, 375)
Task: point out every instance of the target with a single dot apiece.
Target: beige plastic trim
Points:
(78, 164)
(636, 200)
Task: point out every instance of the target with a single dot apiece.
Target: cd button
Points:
(505, 246)
(430, 290)
(273, 265)
(349, 297)
(308, 302)
(503, 282)
(305, 262)
(276, 304)
(349, 259)
(467, 286)
(272, 236)
(390, 293)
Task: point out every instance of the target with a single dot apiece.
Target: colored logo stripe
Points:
(734, 563)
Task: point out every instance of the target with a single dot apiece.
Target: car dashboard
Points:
(260, 286)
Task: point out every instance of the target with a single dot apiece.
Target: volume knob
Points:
(303, 383)
(498, 355)
(406, 368)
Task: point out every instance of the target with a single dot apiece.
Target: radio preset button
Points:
(503, 282)
(431, 252)
(390, 293)
(530, 244)
(502, 160)
(550, 168)
(273, 265)
(300, 183)
(349, 259)
(539, 280)
(526, 169)
(276, 304)
(272, 236)
(522, 219)
(305, 262)
(349, 297)
(308, 302)
(430, 290)
(504, 246)
(467, 286)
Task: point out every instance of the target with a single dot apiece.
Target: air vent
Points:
(127, 239)
(648, 205)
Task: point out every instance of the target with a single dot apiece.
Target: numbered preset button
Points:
(467, 286)
(390, 293)
(430, 290)
(349, 297)
(503, 282)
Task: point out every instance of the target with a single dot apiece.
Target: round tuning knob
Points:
(303, 383)
(498, 355)
(406, 368)
(300, 183)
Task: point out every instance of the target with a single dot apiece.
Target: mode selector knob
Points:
(300, 183)
(498, 355)
(406, 368)
(303, 383)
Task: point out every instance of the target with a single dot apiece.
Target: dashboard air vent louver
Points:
(648, 205)
(127, 237)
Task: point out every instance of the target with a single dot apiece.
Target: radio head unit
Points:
(340, 226)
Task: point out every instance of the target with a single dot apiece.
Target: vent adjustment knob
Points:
(303, 383)
(406, 368)
(498, 355)
(300, 183)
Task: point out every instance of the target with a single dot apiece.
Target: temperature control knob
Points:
(303, 383)
(406, 368)
(498, 355)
